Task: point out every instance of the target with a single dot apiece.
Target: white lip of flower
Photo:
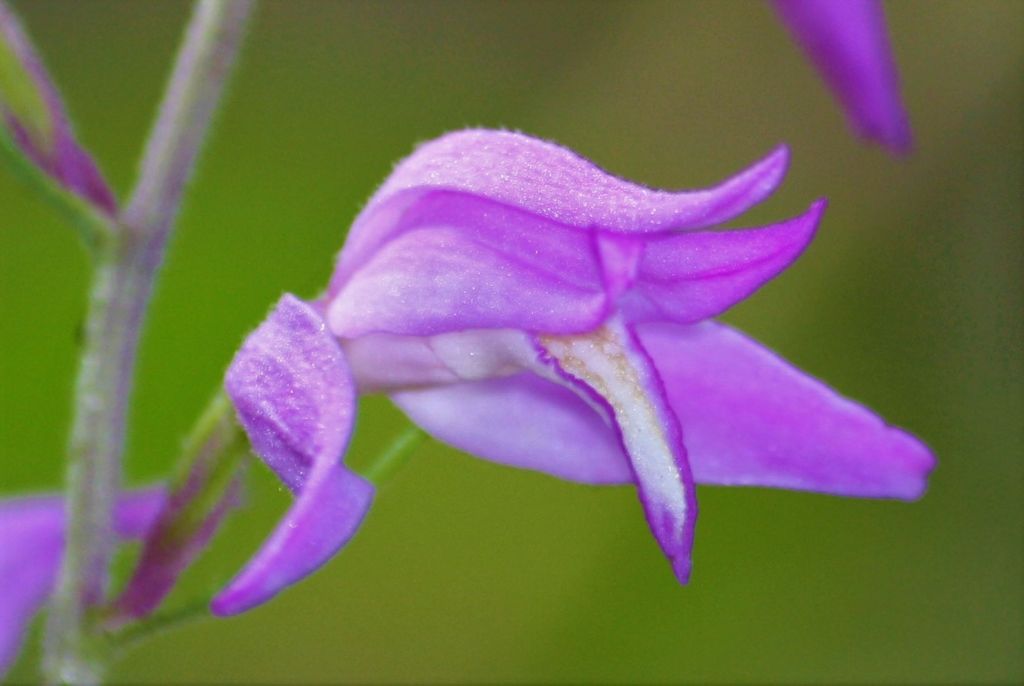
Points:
(604, 361)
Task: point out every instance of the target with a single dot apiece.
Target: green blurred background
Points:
(909, 300)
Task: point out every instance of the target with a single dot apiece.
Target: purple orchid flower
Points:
(848, 42)
(523, 305)
(33, 118)
(31, 547)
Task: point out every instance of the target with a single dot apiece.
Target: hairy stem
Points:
(195, 89)
(123, 281)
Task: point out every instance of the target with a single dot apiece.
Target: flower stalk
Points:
(127, 265)
(395, 456)
(204, 490)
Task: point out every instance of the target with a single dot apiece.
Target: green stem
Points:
(395, 456)
(94, 475)
(157, 623)
(204, 489)
(122, 284)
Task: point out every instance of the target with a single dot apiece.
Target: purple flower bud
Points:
(33, 120)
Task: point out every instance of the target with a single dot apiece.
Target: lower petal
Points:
(754, 420)
(324, 517)
(610, 365)
(522, 421)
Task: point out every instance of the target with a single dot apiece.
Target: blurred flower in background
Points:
(848, 42)
(32, 532)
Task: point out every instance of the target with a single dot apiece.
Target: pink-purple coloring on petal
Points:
(523, 305)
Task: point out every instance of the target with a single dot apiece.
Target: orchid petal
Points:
(688, 277)
(32, 546)
(551, 183)
(848, 42)
(387, 363)
(500, 268)
(295, 397)
(523, 421)
(488, 267)
(753, 420)
(33, 117)
(611, 367)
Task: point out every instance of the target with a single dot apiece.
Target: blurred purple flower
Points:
(523, 305)
(848, 42)
(31, 547)
(33, 119)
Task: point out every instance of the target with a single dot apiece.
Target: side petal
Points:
(522, 421)
(32, 117)
(689, 277)
(32, 546)
(753, 420)
(849, 44)
(545, 180)
(612, 368)
(295, 397)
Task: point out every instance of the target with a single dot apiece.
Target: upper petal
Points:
(752, 419)
(849, 44)
(688, 277)
(545, 180)
(295, 397)
(472, 265)
(467, 263)
(31, 549)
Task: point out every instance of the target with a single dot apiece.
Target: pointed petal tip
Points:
(814, 214)
(324, 517)
(810, 221)
(778, 158)
(899, 141)
(683, 566)
(920, 463)
(771, 170)
(746, 189)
